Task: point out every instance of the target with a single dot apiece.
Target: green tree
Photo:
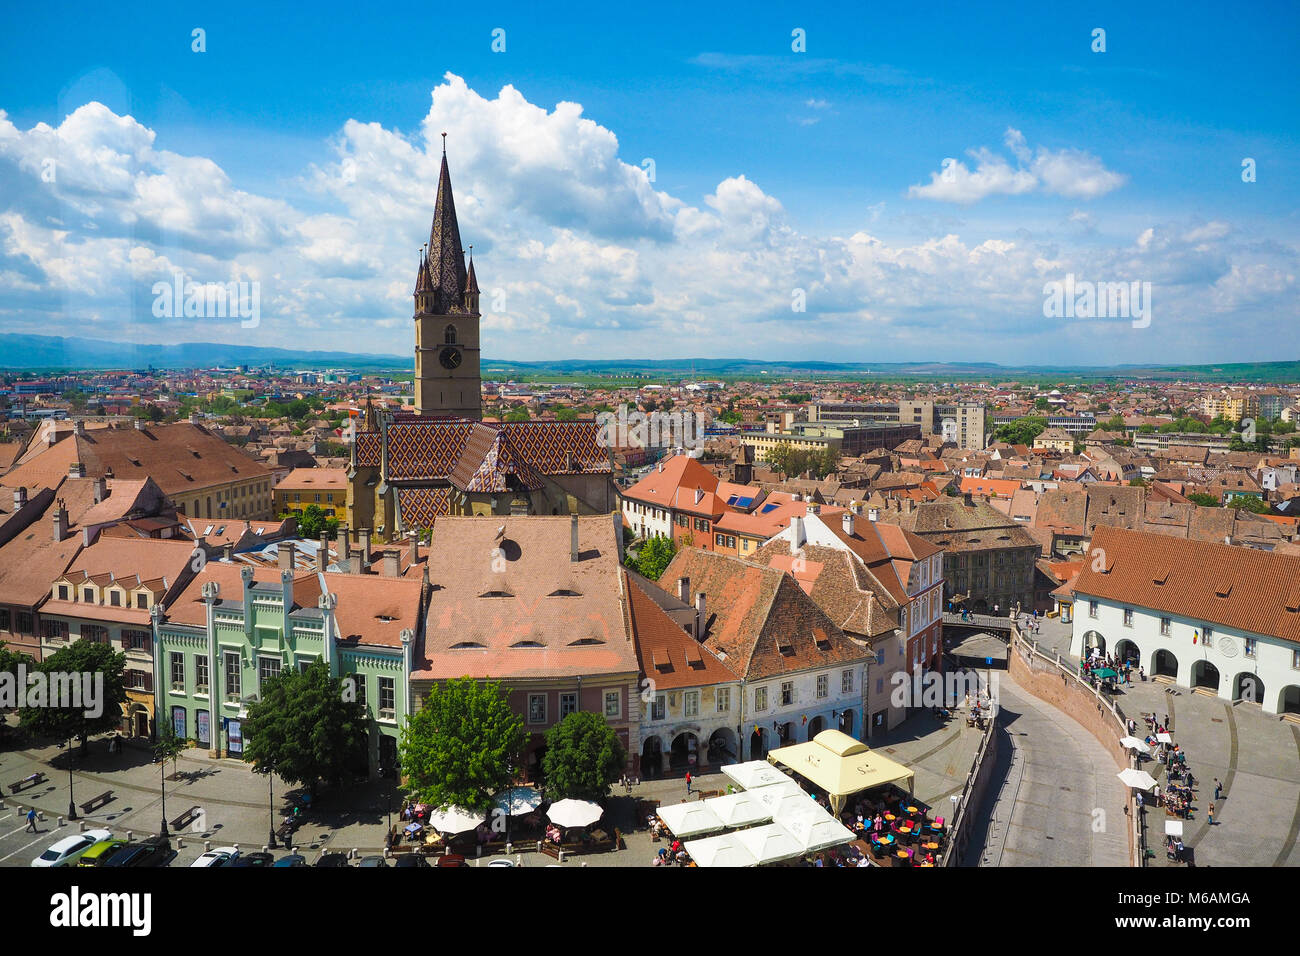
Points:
(1202, 499)
(652, 557)
(459, 748)
(566, 415)
(1114, 424)
(169, 746)
(306, 728)
(101, 708)
(583, 758)
(1022, 431)
(1249, 503)
(312, 520)
(519, 414)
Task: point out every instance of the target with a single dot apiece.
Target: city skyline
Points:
(780, 179)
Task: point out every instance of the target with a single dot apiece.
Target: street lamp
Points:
(72, 807)
(270, 788)
(162, 781)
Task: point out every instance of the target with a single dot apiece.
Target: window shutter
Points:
(148, 682)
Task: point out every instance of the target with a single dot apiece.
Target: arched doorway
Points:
(389, 764)
(1093, 639)
(785, 734)
(1205, 674)
(1248, 687)
(722, 746)
(1164, 664)
(846, 722)
(1288, 700)
(652, 757)
(685, 752)
(1126, 650)
(816, 726)
(758, 744)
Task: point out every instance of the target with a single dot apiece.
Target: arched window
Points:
(449, 335)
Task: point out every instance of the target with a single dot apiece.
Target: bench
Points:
(186, 818)
(34, 780)
(95, 802)
(550, 849)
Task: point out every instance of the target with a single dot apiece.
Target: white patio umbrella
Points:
(722, 850)
(739, 809)
(688, 819)
(455, 819)
(774, 799)
(574, 813)
(1132, 743)
(769, 844)
(1174, 828)
(1165, 738)
(754, 773)
(1138, 779)
(815, 829)
(517, 801)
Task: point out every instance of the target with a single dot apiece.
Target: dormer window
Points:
(88, 595)
(63, 592)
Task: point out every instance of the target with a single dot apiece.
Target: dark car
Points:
(254, 859)
(372, 862)
(407, 860)
(332, 859)
(293, 859)
(149, 853)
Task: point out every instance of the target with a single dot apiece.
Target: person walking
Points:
(31, 820)
(1211, 814)
(688, 783)
(1218, 789)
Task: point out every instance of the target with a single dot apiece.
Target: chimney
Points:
(322, 553)
(344, 549)
(20, 498)
(966, 499)
(796, 533)
(77, 469)
(364, 534)
(907, 505)
(700, 617)
(79, 428)
(573, 538)
(139, 424)
(194, 418)
(684, 590)
(392, 563)
(286, 550)
(101, 489)
(873, 514)
(60, 520)
(848, 522)
(228, 551)
(415, 549)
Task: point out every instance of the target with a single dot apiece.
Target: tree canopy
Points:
(652, 557)
(459, 748)
(306, 728)
(1022, 431)
(312, 520)
(583, 758)
(79, 658)
(786, 458)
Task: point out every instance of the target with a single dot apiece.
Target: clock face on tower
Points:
(450, 358)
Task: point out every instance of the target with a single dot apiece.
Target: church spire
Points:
(446, 261)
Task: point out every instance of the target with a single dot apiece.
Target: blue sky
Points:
(297, 151)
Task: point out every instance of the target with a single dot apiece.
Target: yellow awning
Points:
(840, 766)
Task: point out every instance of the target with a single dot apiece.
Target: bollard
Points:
(236, 846)
(82, 825)
(353, 854)
(387, 853)
(510, 848)
(207, 845)
(61, 821)
(562, 856)
(265, 848)
(519, 860)
(180, 842)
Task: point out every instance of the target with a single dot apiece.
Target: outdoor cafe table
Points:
(889, 817)
(904, 854)
(885, 839)
(930, 846)
(913, 809)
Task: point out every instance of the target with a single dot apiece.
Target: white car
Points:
(70, 848)
(221, 856)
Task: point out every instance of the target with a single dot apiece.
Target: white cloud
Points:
(1071, 173)
(577, 251)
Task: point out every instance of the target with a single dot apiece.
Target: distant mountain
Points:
(55, 352)
(47, 352)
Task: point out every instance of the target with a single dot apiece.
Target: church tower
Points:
(447, 377)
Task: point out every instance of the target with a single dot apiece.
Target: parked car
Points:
(408, 860)
(254, 859)
(373, 862)
(332, 859)
(221, 856)
(502, 861)
(293, 859)
(70, 848)
(451, 859)
(148, 853)
(100, 853)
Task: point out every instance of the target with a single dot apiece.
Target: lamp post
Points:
(162, 781)
(72, 807)
(270, 788)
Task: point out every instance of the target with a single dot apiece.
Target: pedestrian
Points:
(1211, 814)
(1166, 724)
(688, 783)
(31, 819)
(995, 610)
(1218, 789)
